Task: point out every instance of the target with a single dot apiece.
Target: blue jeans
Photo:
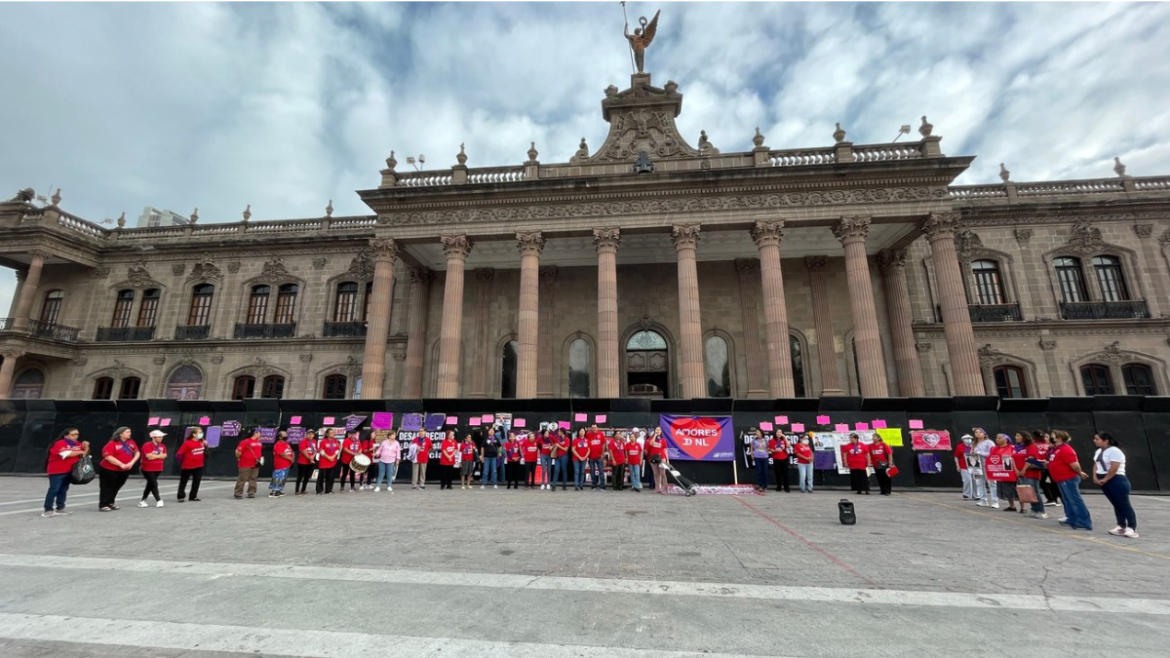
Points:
(501, 463)
(579, 474)
(387, 472)
(545, 469)
(596, 472)
(804, 475)
(278, 477)
(489, 466)
(635, 471)
(561, 471)
(761, 472)
(1038, 506)
(58, 487)
(1074, 505)
(1117, 491)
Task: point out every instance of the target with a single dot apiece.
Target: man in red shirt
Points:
(62, 456)
(634, 462)
(580, 451)
(366, 479)
(961, 450)
(616, 455)
(328, 452)
(778, 449)
(530, 451)
(350, 448)
(282, 459)
(248, 459)
(857, 460)
(1066, 472)
(191, 459)
(596, 454)
(447, 450)
(154, 453)
(118, 457)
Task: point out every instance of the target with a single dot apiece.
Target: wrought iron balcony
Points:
(1127, 310)
(988, 312)
(52, 330)
(344, 330)
(6, 324)
(123, 334)
(192, 332)
(266, 330)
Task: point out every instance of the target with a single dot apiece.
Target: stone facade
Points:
(839, 270)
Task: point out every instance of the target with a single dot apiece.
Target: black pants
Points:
(304, 473)
(1051, 491)
(195, 475)
(858, 480)
(110, 484)
(371, 474)
(151, 484)
(346, 471)
(446, 476)
(325, 479)
(512, 474)
(619, 476)
(883, 480)
(780, 469)
(530, 474)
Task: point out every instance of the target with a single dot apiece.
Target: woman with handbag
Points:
(882, 457)
(118, 457)
(1109, 474)
(1030, 477)
(1043, 442)
(63, 454)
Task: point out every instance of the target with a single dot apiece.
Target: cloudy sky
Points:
(286, 106)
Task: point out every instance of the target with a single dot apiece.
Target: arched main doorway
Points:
(647, 365)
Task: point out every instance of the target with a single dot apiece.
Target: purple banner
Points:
(295, 434)
(434, 422)
(698, 438)
(354, 421)
(232, 428)
(412, 422)
(824, 460)
(267, 435)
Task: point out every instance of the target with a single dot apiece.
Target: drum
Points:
(360, 463)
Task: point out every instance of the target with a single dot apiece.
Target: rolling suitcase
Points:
(688, 487)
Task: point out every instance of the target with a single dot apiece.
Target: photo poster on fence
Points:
(1000, 468)
(698, 438)
(824, 442)
(930, 440)
(405, 437)
(502, 423)
(930, 463)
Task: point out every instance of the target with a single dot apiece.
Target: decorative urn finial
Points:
(758, 140)
(195, 216)
(462, 157)
(839, 134)
(1118, 167)
(248, 212)
(329, 209)
(56, 198)
(391, 163)
(926, 128)
(532, 152)
(122, 219)
(1004, 174)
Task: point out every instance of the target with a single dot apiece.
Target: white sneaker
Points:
(483, 486)
(158, 504)
(142, 503)
(1063, 519)
(495, 486)
(377, 489)
(390, 489)
(1119, 531)
(1131, 533)
(48, 514)
(1059, 504)
(981, 504)
(995, 505)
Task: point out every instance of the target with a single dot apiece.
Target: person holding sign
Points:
(328, 452)
(804, 464)
(780, 448)
(580, 459)
(1001, 470)
(62, 456)
(306, 462)
(248, 458)
(986, 491)
(857, 460)
(366, 480)
(154, 453)
(634, 462)
(447, 450)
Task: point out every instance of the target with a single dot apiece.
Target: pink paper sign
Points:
(798, 427)
(823, 420)
(600, 418)
(473, 421)
(204, 420)
(519, 422)
(916, 424)
(489, 418)
(861, 427)
(383, 420)
(328, 420)
(452, 420)
(295, 420)
(841, 427)
(781, 420)
(766, 426)
(153, 420)
(879, 424)
(564, 424)
(581, 418)
(165, 422)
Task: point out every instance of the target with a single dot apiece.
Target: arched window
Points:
(243, 387)
(1009, 382)
(258, 304)
(129, 389)
(1139, 379)
(199, 314)
(579, 358)
(334, 387)
(1110, 278)
(273, 387)
(29, 385)
(149, 309)
(797, 365)
(345, 306)
(1071, 278)
(718, 364)
(988, 282)
(357, 388)
(103, 388)
(52, 307)
(1096, 379)
(186, 383)
(508, 372)
(286, 304)
(122, 307)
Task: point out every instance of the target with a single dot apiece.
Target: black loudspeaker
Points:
(848, 516)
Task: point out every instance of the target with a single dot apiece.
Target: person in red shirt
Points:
(248, 457)
(422, 456)
(779, 448)
(306, 462)
(657, 454)
(512, 457)
(191, 459)
(530, 454)
(447, 450)
(546, 462)
(328, 453)
(615, 454)
(804, 464)
(1043, 441)
(961, 450)
(350, 448)
(634, 462)
(559, 453)
(63, 454)
(580, 451)
(467, 453)
(1066, 472)
(1034, 456)
(118, 457)
(857, 459)
(596, 458)
(881, 455)
(367, 478)
(154, 453)
(282, 460)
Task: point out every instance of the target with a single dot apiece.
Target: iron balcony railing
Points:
(52, 330)
(266, 330)
(344, 330)
(192, 332)
(988, 312)
(123, 334)
(6, 324)
(1127, 310)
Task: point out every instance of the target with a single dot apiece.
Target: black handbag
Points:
(83, 471)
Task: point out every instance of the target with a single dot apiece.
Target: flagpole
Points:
(633, 67)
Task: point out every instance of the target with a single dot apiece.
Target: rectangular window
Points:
(1072, 282)
(200, 313)
(122, 309)
(149, 309)
(129, 390)
(286, 306)
(258, 306)
(346, 307)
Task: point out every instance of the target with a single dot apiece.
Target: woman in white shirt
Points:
(1109, 474)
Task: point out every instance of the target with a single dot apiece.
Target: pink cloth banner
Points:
(452, 420)
(205, 420)
(489, 418)
(153, 420)
(861, 427)
(295, 420)
(473, 421)
(383, 420)
(879, 424)
(519, 422)
(766, 427)
(328, 420)
(841, 427)
(581, 418)
(165, 422)
(915, 424)
(564, 424)
(600, 418)
(798, 427)
(823, 420)
(781, 420)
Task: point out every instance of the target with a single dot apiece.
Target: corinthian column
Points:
(29, 288)
(767, 236)
(852, 232)
(530, 245)
(544, 364)
(457, 248)
(893, 267)
(823, 324)
(416, 332)
(940, 232)
(686, 242)
(606, 241)
(378, 318)
(7, 369)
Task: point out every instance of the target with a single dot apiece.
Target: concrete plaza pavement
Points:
(534, 573)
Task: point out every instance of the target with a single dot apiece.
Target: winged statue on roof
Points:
(641, 38)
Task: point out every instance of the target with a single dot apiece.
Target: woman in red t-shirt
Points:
(191, 458)
(62, 456)
(351, 447)
(306, 462)
(154, 454)
(328, 452)
(118, 457)
(1005, 489)
(857, 460)
(778, 449)
(656, 453)
(447, 450)
(804, 464)
(282, 460)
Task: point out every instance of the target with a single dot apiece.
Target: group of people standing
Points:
(777, 451)
(1041, 469)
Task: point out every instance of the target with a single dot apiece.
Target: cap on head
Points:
(156, 434)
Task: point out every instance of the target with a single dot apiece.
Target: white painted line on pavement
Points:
(70, 497)
(295, 642)
(603, 585)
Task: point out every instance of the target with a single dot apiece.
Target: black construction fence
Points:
(1141, 424)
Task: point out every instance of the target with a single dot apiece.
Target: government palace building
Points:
(649, 266)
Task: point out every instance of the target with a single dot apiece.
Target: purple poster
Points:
(295, 434)
(354, 421)
(434, 422)
(232, 428)
(412, 422)
(213, 434)
(383, 420)
(929, 462)
(698, 438)
(824, 460)
(267, 435)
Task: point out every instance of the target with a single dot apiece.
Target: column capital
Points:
(457, 247)
(766, 234)
(549, 272)
(747, 265)
(941, 224)
(422, 275)
(816, 263)
(10, 354)
(685, 236)
(891, 261)
(607, 238)
(852, 229)
(530, 243)
(384, 248)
